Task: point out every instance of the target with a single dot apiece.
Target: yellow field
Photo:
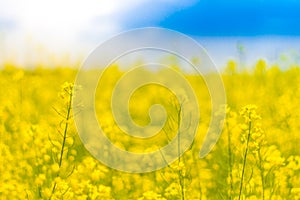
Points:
(257, 156)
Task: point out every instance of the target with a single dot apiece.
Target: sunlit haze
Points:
(53, 32)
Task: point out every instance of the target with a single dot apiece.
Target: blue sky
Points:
(225, 17)
(237, 18)
(76, 27)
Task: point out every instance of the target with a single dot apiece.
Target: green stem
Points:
(229, 161)
(64, 140)
(180, 177)
(245, 159)
(65, 130)
(182, 187)
(261, 174)
(178, 127)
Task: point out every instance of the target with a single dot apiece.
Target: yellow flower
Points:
(47, 158)
(249, 113)
(55, 168)
(40, 179)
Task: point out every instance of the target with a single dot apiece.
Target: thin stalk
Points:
(229, 160)
(178, 126)
(65, 130)
(64, 140)
(245, 159)
(180, 177)
(261, 174)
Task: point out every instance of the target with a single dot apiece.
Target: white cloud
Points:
(61, 17)
(57, 24)
(70, 25)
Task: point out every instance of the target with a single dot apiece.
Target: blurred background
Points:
(51, 33)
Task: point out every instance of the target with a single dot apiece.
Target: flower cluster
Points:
(42, 156)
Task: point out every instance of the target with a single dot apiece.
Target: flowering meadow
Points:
(256, 157)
